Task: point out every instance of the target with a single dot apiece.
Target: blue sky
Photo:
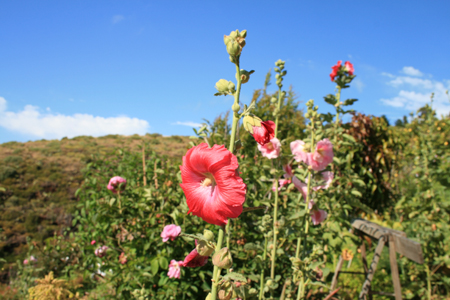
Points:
(71, 68)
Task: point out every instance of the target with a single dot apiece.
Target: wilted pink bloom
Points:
(116, 184)
(123, 258)
(335, 69)
(288, 172)
(170, 232)
(25, 261)
(322, 157)
(328, 178)
(101, 251)
(349, 67)
(93, 242)
(318, 216)
(271, 149)
(281, 184)
(194, 259)
(299, 152)
(302, 187)
(175, 269)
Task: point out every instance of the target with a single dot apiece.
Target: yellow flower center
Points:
(209, 180)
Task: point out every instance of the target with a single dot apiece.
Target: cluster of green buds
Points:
(309, 266)
(225, 87)
(245, 75)
(223, 259)
(141, 294)
(265, 225)
(272, 284)
(235, 42)
(280, 72)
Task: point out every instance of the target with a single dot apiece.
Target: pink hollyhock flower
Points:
(101, 251)
(299, 152)
(322, 157)
(214, 191)
(175, 269)
(317, 215)
(123, 258)
(271, 149)
(302, 187)
(349, 68)
(264, 133)
(281, 184)
(335, 69)
(194, 260)
(116, 184)
(170, 232)
(25, 261)
(93, 242)
(328, 178)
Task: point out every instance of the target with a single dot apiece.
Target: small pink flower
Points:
(175, 269)
(264, 133)
(288, 172)
(116, 184)
(299, 152)
(170, 232)
(271, 149)
(93, 242)
(194, 259)
(322, 157)
(101, 251)
(302, 187)
(281, 184)
(349, 68)
(25, 261)
(123, 258)
(328, 178)
(335, 69)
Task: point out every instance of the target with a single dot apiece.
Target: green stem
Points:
(275, 229)
(261, 292)
(278, 114)
(216, 271)
(428, 282)
(338, 104)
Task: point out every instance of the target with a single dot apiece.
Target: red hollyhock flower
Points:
(265, 133)
(194, 260)
(214, 191)
(335, 70)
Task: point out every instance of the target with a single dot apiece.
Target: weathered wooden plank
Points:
(408, 248)
(336, 273)
(374, 230)
(373, 267)
(394, 268)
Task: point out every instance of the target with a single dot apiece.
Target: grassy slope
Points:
(39, 180)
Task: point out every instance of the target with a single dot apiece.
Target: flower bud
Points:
(204, 248)
(283, 94)
(225, 291)
(223, 259)
(225, 87)
(208, 234)
(235, 107)
(233, 48)
(273, 100)
(251, 121)
(245, 75)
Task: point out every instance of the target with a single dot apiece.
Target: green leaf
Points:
(349, 137)
(235, 276)
(163, 262)
(154, 266)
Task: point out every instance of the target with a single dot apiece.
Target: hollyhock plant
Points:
(335, 69)
(123, 258)
(317, 215)
(271, 149)
(170, 232)
(116, 184)
(214, 191)
(264, 133)
(194, 259)
(281, 184)
(175, 269)
(302, 187)
(328, 178)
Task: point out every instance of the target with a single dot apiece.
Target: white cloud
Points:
(32, 122)
(117, 18)
(410, 71)
(358, 84)
(414, 92)
(190, 124)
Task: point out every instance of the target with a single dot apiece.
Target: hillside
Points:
(38, 181)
